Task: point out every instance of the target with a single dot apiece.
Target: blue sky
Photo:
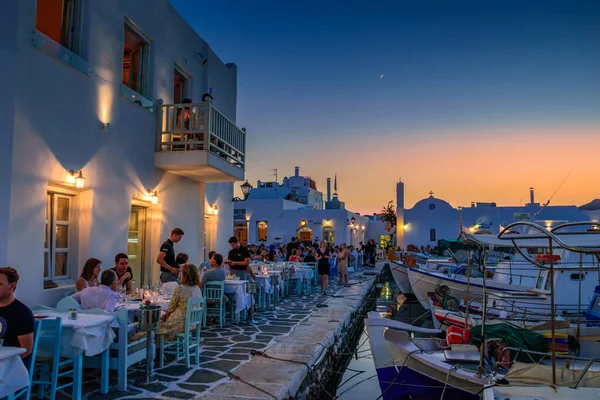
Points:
(309, 78)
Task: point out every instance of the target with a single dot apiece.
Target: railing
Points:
(200, 126)
(136, 98)
(61, 53)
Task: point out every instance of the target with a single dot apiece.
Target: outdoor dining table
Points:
(91, 334)
(237, 288)
(13, 374)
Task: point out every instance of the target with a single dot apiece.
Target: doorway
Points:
(241, 232)
(136, 245)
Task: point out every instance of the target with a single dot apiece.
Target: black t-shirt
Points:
(125, 280)
(291, 246)
(310, 259)
(16, 319)
(167, 248)
(239, 254)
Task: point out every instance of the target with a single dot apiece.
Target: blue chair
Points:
(215, 304)
(189, 339)
(51, 366)
(27, 391)
(66, 303)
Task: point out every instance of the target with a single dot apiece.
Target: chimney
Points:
(531, 196)
(328, 190)
(296, 171)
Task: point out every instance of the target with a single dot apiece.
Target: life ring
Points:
(451, 303)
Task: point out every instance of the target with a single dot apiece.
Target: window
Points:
(57, 242)
(60, 20)
(180, 86)
(328, 234)
(577, 277)
(432, 235)
(261, 231)
(135, 61)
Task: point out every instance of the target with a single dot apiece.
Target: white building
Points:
(432, 219)
(83, 85)
(274, 213)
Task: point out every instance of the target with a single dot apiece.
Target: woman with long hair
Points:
(173, 320)
(323, 257)
(89, 274)
(342, 261)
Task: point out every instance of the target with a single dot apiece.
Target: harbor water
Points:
(360, 377)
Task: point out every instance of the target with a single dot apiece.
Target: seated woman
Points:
(89, 275)
(216, 272)
(294, 256)
(173, 320)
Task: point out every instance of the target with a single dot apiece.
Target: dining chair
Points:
(26, 392)
(48, 359)
(215, 304)
(67, 303)
(187, 340)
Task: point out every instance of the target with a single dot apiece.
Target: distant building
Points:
(274, 213)
(432, 219)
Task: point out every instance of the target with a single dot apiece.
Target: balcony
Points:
(197, 141)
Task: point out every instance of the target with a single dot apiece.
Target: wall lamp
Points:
(352, 220)
(201, 57)
(246, 190)
(77, 178)
(105, 126)
(214, 210)
(152, 196)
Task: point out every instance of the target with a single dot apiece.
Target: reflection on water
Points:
(360, 379)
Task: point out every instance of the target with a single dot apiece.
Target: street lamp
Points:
(352, 220)
(246, 189)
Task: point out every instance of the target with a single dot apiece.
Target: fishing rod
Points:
(553, 194)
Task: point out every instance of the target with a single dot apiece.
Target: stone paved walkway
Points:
(222, 349)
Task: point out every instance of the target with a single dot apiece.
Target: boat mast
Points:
(467, 302)
(579, 300)
(480, 370)
(552, 327)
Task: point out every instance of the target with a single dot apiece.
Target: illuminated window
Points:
(261, 233)
(57, 240)
(328, 234)
(180, 86)
(135, 60)
(60, 20)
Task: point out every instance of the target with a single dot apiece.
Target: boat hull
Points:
(400, 275)
(424, 282)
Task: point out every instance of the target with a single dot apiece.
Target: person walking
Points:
(323, 257)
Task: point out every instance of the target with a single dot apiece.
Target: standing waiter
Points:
(166, 257)
(238, 258)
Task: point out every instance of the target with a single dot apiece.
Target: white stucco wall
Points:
(57, 113)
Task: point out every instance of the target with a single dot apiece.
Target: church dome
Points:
(432, 204)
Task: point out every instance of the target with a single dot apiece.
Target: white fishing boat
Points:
(410, 367)
(399, 268)
(522, 276)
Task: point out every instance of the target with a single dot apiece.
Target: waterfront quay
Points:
(287, 353)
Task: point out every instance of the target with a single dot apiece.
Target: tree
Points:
(388, 216)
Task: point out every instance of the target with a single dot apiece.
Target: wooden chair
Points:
(215, 304)
(189, 339)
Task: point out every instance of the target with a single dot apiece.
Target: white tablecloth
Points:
(89, 332)
(237, 288)
(13, 374)
(264, 281)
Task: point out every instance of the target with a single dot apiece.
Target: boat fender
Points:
(454, 335)
(503, 357)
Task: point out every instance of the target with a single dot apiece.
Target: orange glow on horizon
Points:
(486, 165)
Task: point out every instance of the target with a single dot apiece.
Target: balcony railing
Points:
(61, 53)
(201, 127)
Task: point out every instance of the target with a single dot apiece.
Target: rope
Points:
(409, 355)
(447, 379)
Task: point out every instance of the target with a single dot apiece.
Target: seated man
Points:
(216, 273)
(104, 296)
(16, 319)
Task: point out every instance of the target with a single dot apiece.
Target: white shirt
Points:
(97, 297)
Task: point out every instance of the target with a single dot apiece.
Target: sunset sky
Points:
(479, 100)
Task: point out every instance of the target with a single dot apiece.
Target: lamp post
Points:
(246, 189)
